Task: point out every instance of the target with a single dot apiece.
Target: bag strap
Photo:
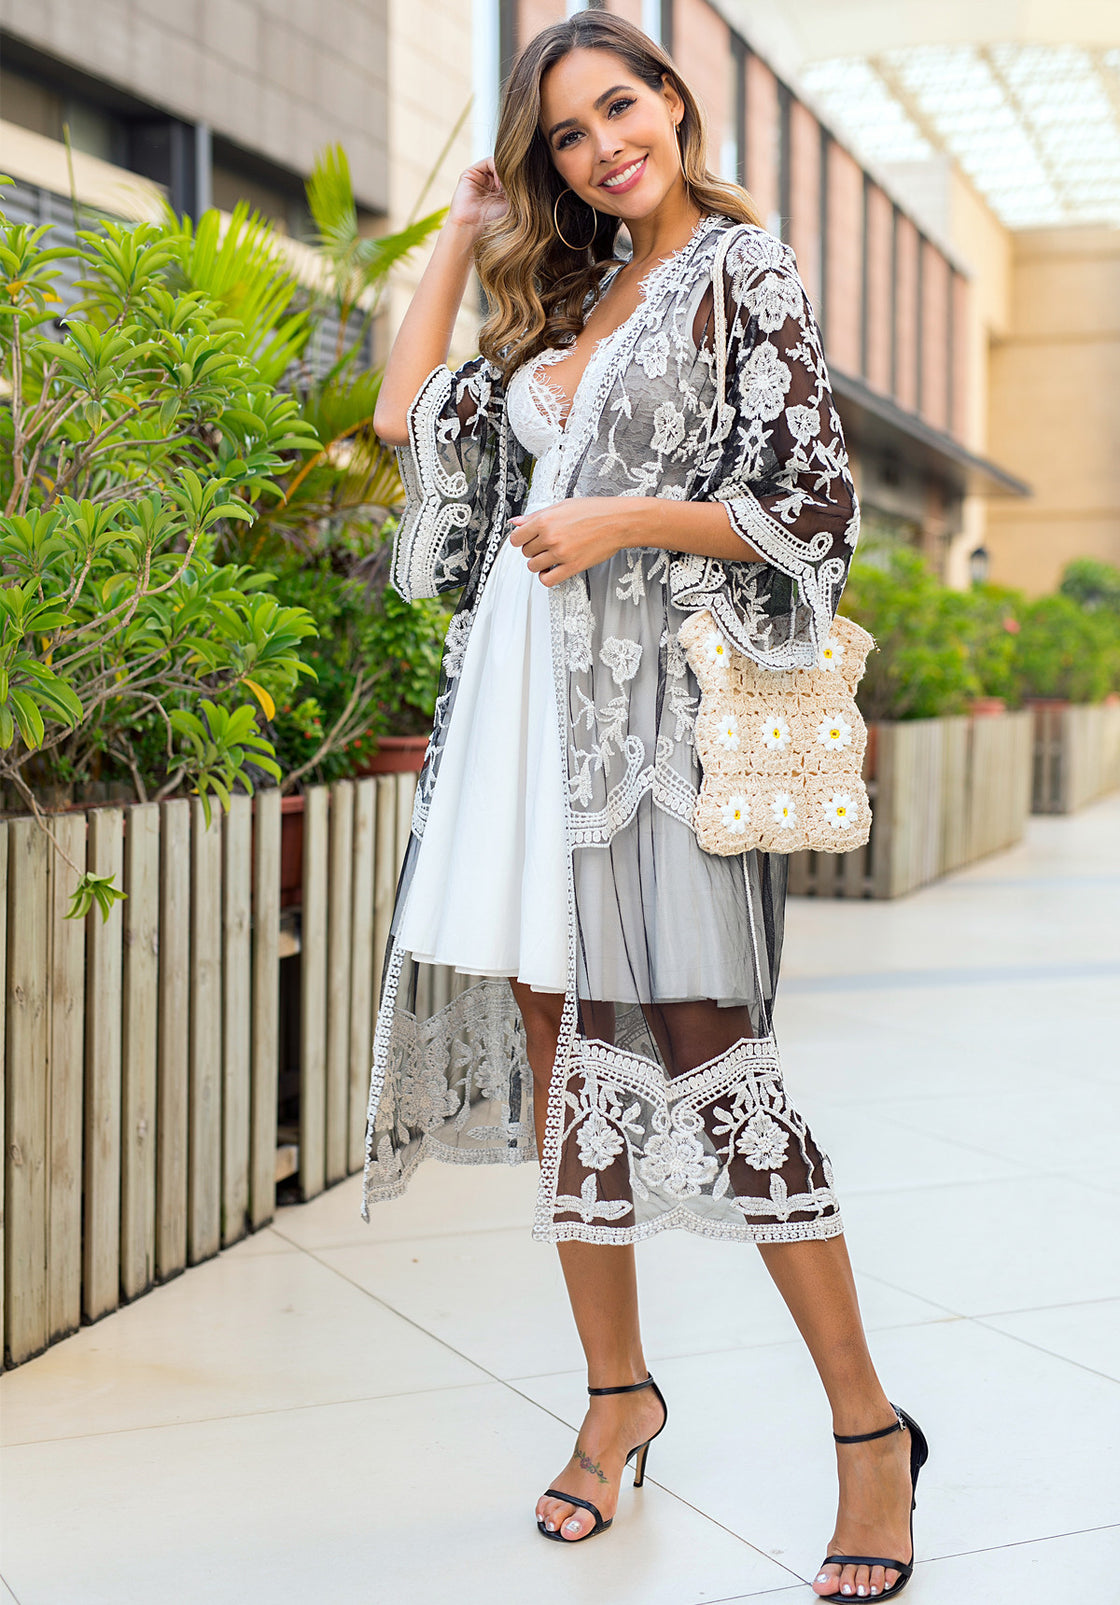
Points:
(720, 309)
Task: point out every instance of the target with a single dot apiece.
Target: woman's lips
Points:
(627, 183)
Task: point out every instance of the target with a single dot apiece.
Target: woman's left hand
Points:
(570, 536)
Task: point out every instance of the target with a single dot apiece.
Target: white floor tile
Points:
(6, 1595)
(748, 1440)
(236, 1335)
(499, 1297)
(873, 1153)
(1087, 1334)
(440, 1199)
(390, 1502)
(1075, 1566)
(1024, 1129)
(988, 1246)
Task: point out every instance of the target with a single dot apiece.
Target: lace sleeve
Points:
(777, 461)
(455, 430)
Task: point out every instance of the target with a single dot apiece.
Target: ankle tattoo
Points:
(587, 1464)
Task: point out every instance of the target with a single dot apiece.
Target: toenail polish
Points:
(572, 1527)
(861, 1589)
(551, 1525)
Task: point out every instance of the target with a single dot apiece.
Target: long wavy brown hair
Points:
(536, 285)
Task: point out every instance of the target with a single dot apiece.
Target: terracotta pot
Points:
(397, 755)
(984, 707)
(291, 851)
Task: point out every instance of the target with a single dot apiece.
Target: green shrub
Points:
(376, 659)
(134, 433)
(1092, 584)
(924, 665)
(1066, 650)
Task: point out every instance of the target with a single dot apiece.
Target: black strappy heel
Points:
(641, 1450)
(919, 1454)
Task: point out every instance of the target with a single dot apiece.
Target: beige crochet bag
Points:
(781, 749)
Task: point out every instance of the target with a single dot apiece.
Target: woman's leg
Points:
(815, 1279)
(603, 1290)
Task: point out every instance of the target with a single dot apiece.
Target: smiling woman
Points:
(642, 438)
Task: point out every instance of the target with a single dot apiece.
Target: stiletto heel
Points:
(919, 1454)
(640, 1450)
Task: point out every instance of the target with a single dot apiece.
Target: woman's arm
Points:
(424, 337)
(564, 539)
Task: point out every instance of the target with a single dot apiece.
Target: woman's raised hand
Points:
(479, 198)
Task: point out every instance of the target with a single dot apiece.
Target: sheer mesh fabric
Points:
(667, 1105)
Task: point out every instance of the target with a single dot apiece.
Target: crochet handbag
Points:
(781, 749)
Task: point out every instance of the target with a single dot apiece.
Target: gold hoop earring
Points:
(560, 232)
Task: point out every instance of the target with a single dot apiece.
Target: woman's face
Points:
(612, 138)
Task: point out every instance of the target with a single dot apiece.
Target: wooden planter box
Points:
(1076, 754)
(943, 793)
(140, 1054)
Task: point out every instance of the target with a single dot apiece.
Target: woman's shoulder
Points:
(748, 247)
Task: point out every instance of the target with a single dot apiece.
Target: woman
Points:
(582, 486)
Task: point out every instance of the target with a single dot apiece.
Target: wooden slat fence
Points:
(1076, 755)
(944, 792)
(140, 1055)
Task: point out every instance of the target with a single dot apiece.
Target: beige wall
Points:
(1054, 406)
(430, 53)
(278, 78)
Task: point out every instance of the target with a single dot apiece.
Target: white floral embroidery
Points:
(766, 379)
(736, 812)
(621, 657)
(652, 355)
(762, 1142)
(804, 423)
(598, 1142)
(775, 298)
(831, 653)
(675, 1162)
(834, 732)
(775, 734)
(784, 810)
(668, 428)
(838, 810)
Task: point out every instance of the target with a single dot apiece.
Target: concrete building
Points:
(976, 364)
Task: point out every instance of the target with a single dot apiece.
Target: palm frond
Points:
(239, 263)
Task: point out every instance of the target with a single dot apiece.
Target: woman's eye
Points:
(573, 133)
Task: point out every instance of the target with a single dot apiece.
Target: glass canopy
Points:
(1035, 127)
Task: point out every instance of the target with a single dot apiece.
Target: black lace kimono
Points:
(667, 1106)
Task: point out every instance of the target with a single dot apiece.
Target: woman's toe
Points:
(574, 1526)
(848, 1583)
(878, 1580)
(552, 1512)
(827, 1582)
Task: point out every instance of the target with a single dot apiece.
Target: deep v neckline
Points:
(556, 393)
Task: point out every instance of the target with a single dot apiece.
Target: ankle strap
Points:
(898, 1425)
(632, 1387)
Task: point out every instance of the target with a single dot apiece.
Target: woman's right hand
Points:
(479, 198)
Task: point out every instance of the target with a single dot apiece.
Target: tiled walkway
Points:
(344, 1415)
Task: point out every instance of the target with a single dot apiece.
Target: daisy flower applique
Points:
(735, 813)
(831, 653)
(784, 810)
(775, 734)
(834, 731)
(728, 737)
(838, 810)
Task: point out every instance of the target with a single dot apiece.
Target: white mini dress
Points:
(489, 892)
